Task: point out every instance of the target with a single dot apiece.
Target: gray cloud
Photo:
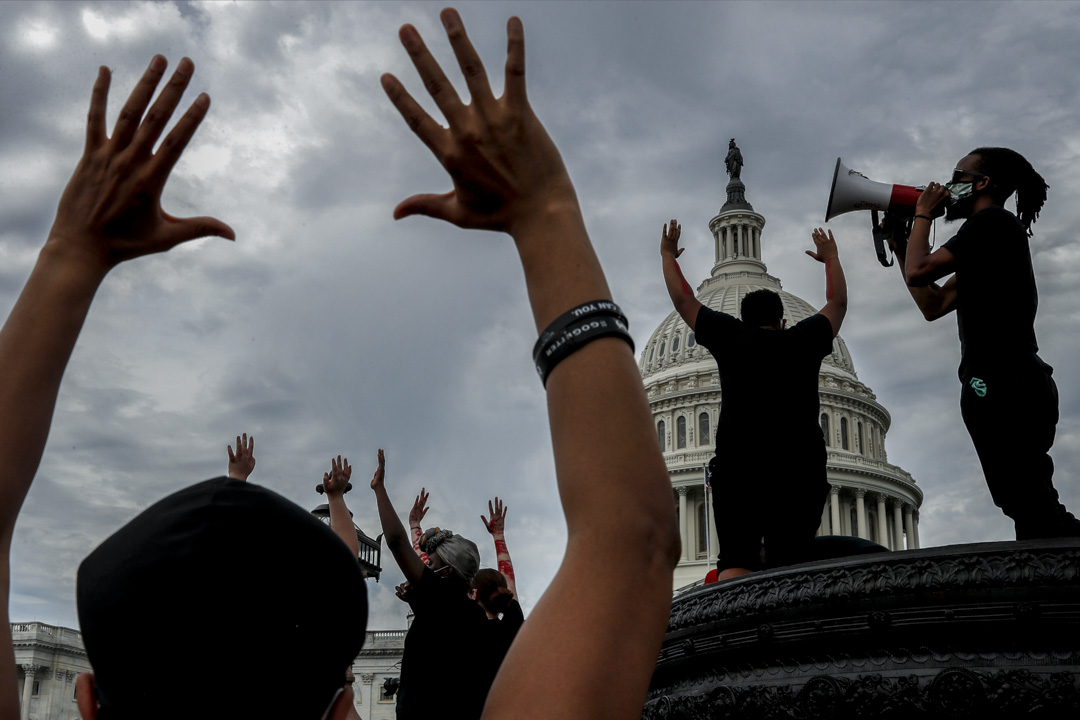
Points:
(328, 328)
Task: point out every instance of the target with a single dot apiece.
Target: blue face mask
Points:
(959, 191)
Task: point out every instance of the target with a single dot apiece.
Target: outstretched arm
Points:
(496, 526)
(334, 484)
(508, 176)
(933, 300)
(109, 212)
(416, 515)
(680, 292)
(242, 462)
(393, 531)
(835, 284)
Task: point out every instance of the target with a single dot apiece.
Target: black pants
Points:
(772, 495)
(1012, 417)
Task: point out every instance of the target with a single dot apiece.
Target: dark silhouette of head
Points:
(762, 308)
(491, 590)
(1010, 172)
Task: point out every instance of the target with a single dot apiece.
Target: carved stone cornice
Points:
(989, 630)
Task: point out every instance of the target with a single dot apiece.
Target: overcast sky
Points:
(329, 328)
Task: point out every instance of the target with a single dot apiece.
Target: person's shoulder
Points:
(713, 320)
(816, 323)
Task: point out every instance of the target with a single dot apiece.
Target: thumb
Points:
(440, 207)
(181, 230)
(680, 252)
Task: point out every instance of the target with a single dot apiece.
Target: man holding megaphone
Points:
(1009, 401)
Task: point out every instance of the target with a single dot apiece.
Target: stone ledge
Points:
(983, 630)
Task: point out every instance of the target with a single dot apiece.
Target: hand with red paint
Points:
(419, 509)
(669, 239)
(242, 462)
(497, 512)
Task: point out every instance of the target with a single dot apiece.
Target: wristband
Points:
(927, 217)
(573, 330)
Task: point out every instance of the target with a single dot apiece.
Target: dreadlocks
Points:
(1009, 172)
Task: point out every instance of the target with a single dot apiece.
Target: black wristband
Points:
(569, 333)
(582, 311)
(927, 217)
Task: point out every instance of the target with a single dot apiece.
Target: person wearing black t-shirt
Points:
(1009, 400)
(769, 481)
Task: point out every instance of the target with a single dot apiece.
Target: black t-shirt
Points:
(501, 634)
(445, 668)
(768, 378)
(996, 298)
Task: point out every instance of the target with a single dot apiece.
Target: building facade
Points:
(869, 497)
(49, 658)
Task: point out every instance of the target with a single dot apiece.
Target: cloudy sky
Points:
(329, 328)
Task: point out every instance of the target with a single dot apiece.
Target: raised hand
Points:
(419, 508)
(337, 480)
(378, 479)
(242, 462)
(669, 239)
(111, 209)
(495, 526)
(825, 244)
(504, 166)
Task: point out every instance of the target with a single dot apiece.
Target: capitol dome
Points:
(869, 497)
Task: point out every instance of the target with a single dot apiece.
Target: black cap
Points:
(222, 600)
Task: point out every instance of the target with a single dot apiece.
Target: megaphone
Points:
(851, 191)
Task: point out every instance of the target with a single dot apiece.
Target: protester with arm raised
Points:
(109, 212)
(416, 516)
(835, 284)
(508, 176)
(682, 295)
(497, 526)
(334, 484)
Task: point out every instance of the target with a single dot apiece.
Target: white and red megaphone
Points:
(852, 191)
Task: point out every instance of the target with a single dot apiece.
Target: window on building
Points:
(691, 340)
(843, 433)
(825, 428)
(663, 345)
(675, 344)
(388, 689)
(680, 433)
(854, 523)
(859, 440)
(703, 428)
(661, 433)
(652, 349)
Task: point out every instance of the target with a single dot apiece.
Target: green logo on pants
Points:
(979, 386)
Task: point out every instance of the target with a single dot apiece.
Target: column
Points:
(898, 526)
(28, 689)
(860, 510)
(683, 523)
(714, 544)
(368, 681)
(909, 524)
(845, 518)
(834, 509)
(882, 525)
(823, 528)
(915, 530)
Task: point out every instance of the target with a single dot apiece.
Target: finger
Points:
(95, 118)
(232, 458)
(472, 67)
(251, 445)
(679, 252)
(162, 109)
(325, 478)
(831, 236)
(440, 89)
(514, 87)
(132, 112)
(245, 441)
(172, 147)
(423, 126)
(441, 207)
